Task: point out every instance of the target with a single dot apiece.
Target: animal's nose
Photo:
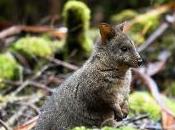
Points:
(140, 62)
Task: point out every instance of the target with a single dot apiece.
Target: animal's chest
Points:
(121, 88)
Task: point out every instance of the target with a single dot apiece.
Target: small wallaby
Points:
(97, 93)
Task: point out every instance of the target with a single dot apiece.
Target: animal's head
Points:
(117, 47)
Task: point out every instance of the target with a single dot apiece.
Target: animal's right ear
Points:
(106, 31)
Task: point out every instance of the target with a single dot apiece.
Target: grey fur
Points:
(97, 93)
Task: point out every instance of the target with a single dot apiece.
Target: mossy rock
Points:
(120, 128)
(76, 18)
(9, 68)
(142, 102)
(36, 46)
(106, 128)
(78, 11)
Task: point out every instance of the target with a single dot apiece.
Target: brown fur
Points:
(97, 93)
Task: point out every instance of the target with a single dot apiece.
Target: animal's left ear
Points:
(106, 31)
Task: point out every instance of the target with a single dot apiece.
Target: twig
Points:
(153, 36)
(53, 79)
(10, 31)
(11, 120)
(40, 72)
(20, 88)
(5, 125)
(162, 28)
(27, 125)
(141, 117)
(28, 81)
(62, 63)
(42, 86)
(36, 109)
(153, 68)
(12, 99)
(131, 120)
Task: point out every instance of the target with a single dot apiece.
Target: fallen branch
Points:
(155, 67)
(153, 88)
(41, 86)
(14, 30)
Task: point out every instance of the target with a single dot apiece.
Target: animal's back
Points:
(66, 108)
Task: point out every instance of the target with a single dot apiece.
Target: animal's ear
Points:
(121, 26)
(106, 31)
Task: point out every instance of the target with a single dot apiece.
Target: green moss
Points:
(121, 128)
(81, 128)
(142, 102)
(9, 68)
(76, 17)
(79, 12)
(36, 46)
(106, 128)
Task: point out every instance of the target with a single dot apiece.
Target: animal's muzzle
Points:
(139, 62)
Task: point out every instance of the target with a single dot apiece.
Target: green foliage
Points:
(9, 68)
(76, 17)
(36, 46)
(142, 102)
(124, 15)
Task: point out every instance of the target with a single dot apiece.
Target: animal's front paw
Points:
(118, 114)
(125, 109)
(109, 122)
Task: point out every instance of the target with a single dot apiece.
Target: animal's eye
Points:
(124, 49)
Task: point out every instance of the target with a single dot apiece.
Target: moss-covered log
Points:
(9, 68)
(76, 17)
